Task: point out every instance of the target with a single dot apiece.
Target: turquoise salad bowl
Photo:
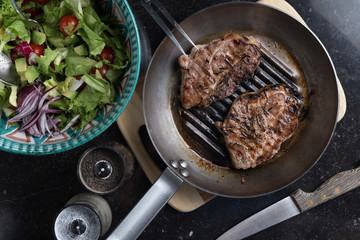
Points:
(11, 140)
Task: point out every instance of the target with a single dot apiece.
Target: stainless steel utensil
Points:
(28, 20)
(147, 5)
(295, 204)
(8, 74)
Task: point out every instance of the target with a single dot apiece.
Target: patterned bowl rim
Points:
(5, 145)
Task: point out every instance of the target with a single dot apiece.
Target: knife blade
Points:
(296, 203)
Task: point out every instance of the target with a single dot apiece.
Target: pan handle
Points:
(148, 207)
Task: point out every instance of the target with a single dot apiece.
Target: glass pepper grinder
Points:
(86, 216)
(105, 168)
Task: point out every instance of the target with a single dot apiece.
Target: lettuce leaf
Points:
(100, 85)
(90, 34)
(76, 65)
(13, 96)
(6, 9)
(51, 12)
(15, 29)
(93, 40)
(56, 56)
(4, 95)
(89, 99)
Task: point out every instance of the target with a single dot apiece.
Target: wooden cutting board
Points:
(187, 198)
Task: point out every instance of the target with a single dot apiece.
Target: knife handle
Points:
(337, 185)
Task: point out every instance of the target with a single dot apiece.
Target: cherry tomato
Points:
(108, 54)
(14, 54)
(68, 24)
(33, 11)
(83, 85)
(37, 49)
(103, 70)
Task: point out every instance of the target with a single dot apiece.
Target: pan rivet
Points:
(185, 173)
(175, 164)
(183, 163)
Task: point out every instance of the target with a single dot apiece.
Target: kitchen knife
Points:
(296, 203)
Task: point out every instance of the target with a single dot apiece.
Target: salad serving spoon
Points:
(29, 20)
(8, 74)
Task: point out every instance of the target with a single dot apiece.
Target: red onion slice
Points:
(29, 109)
(35, 114)
(32, 58)
(53, 123)
(32, 97)
(34, 131)
(31, 122)
(46, 94)
(52, 111)
(42, 123)
(25, 93)
(72, 121)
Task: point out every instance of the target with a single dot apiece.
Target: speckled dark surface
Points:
(34, 189)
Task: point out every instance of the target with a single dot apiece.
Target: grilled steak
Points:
(257, 124)
(212, 72)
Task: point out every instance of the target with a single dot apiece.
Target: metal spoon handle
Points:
(25, 18)
(18, 10)
(147, 5)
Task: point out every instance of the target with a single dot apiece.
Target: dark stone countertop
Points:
(34, 189)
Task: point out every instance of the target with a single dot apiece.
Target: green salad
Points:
(68, 72)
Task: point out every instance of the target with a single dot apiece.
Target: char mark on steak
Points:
(258, 123)
(212, 72)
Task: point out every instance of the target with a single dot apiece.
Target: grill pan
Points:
(165, 122)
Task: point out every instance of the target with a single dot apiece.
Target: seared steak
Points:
(212, 72)
(257, 124)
